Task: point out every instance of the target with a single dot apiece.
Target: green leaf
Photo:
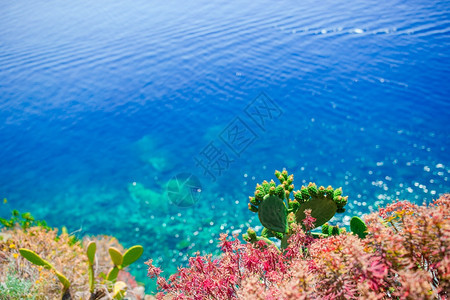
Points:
(34, 258)
(91, 248)
(132, 255)
(116, 256)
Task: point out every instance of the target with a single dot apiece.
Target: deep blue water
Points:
(96, 96)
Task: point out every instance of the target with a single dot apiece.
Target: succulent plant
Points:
(34, 258)
(272, 213)
(358, 227)
(323, 203)
(277, 211)
(121, 261)
(91, 248)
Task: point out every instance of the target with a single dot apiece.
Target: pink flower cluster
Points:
(406, 255)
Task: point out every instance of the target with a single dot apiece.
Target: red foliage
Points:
(406, 255)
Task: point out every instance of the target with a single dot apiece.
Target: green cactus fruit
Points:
(358, 227)
(335, 230)
(250, 236)
(312, 190)
(293, 205)
(272, 214)
(112, 274)
(252, 208)
(340, 202)
(116, 256)
(325, 229)
(267, 233)
(34, 258)
(279, 191)
(322, 209)
(329, 193)
(131, 255)
(305, 194)
(253, 201)
(321, 191)
(291, 218)
(279, 176)
(272, 190)
(337, 192)
(298, 196)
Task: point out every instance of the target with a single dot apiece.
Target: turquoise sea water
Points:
(102, 103)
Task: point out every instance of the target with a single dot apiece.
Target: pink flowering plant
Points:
(405, 254)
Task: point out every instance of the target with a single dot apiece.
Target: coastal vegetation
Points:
(400, 251)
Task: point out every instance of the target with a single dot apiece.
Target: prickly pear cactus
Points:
(272, 214)
(121, 261)
(358, 227)
(91, 249)
(34, 258)
(277, 211)
(131, 255)
(323, 203)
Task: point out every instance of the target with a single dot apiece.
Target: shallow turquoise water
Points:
(97, 96)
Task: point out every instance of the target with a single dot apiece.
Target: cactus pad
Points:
(65, 282)
(358, 227)
(322, 208)
(272, 213)
(324, 203)
(91, 248)
(131, 255)
(112, 274)
(34, 258)
(116, 256)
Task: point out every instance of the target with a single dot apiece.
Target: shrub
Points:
(66, 254)
(405, 255)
